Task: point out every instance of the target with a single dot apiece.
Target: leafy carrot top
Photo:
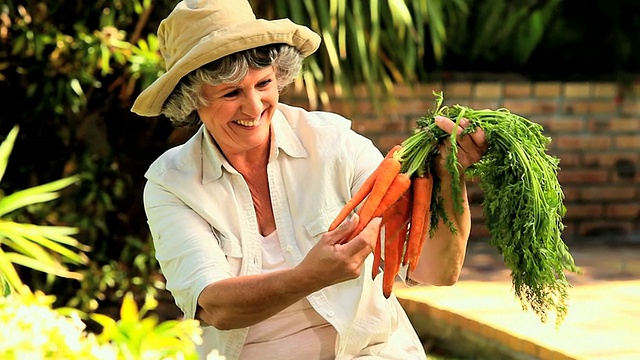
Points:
(523, 200)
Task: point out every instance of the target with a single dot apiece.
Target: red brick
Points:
(602, 107)
(522, 107)
(605, 90)
(457, 89)
(635, 89)
(402, 92)
(483, 104)
(362, 91)
(571, 193)
(544, 107)
(414, 107)
(576, 107)
(367, 126)
(631, 107)
(484, 90)
(583, 211)
(517, 90)
(592, 227)
(547, 89)
(604, 193)
(596, 142)
(570, 160)
(479, 231)
(623, 210)
(425, 91)
(388, 141)
(607, 160)
(476, 212)
(625, 124)
(599, 125)
(577, 90)
(627, 141)
(566, 124)
(579, 176)
(570, 229)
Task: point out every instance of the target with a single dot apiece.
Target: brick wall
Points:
(595, 131)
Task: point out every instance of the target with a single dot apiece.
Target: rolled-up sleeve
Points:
(186, 247)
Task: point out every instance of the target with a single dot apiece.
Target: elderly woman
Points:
(239, 213)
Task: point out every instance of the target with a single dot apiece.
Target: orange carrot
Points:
(404, 209)
(395, 219)
(387, 172)
(425, 234)
(419, 187)
(392, 226)
(377, 257)
(420, 218)
(362, 193)
(398, 187)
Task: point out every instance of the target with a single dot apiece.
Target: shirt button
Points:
(289, 248)
(330, 313)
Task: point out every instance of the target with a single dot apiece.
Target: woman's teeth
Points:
(247, 122)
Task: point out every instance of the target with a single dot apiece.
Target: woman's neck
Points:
(248, 162)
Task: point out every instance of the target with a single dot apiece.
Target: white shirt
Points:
(299, 323)
(205, 229)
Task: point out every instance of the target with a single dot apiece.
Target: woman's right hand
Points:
(333, 260)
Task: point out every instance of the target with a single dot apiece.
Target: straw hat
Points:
(198, 32)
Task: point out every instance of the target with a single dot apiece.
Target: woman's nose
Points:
(252, 105)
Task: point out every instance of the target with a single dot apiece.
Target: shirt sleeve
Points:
(186, 247)
(366, 158)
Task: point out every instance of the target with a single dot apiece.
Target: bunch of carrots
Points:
(403, 201)
(523, 201)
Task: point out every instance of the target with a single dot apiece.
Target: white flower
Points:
(215, 355)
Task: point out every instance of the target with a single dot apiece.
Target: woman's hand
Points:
(471, 146)
(331, 261)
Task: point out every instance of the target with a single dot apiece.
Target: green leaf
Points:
(36, 264)
(31, 234)
(34, 195)
(8, 272)
(129, 309)
(6, 147)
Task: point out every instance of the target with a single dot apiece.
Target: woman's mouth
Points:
(247, 123)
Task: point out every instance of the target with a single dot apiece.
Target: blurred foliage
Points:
(70, 71)
(32, 328)
(42, 248)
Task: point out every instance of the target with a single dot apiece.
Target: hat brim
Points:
(221, 43)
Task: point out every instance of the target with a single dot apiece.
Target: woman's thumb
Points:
(346, 228)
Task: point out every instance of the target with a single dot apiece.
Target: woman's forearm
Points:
(443, 254)
(246, 300)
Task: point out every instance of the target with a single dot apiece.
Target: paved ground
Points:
(603, 320)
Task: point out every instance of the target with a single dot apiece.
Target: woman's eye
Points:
(230, 94)
(265, 83)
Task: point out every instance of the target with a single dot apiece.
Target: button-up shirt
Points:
(204, 226)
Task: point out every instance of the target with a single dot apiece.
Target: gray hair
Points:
(182, 105)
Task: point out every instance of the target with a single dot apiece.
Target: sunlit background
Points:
(69, 72)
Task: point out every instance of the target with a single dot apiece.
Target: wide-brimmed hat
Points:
(198, 32)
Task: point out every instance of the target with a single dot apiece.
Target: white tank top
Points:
(297, 332)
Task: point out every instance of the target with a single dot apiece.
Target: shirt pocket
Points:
(319, 224)
(232, 250)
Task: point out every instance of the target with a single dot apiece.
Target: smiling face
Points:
(238, 116)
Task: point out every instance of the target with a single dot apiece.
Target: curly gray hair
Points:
(182, 105)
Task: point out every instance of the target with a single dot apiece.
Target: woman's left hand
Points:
(471, 146)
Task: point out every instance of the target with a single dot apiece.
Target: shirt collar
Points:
(283, 137)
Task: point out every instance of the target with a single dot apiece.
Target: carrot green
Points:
(523, 200)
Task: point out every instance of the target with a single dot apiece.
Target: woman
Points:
(239, 212)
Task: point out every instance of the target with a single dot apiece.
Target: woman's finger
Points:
(344, 230)
(364, 243)
(447, 125)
